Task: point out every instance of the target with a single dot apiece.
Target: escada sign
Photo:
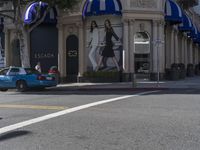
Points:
(44, 55)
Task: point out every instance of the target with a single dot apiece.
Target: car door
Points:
(3, 78)
(12, 76)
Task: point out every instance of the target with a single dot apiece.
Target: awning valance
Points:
(173, 12)
(102, 7)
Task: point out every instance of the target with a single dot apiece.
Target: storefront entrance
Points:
(142, 54)
(72, 46)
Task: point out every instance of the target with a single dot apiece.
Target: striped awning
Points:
(35, 11)
(173, 12)
(186, 25)
(194, 33)
(102, 7)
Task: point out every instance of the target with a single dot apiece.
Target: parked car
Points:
(24, 78)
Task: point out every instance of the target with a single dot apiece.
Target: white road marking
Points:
(67, 111)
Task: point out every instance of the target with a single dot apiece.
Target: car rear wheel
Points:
(21, 86)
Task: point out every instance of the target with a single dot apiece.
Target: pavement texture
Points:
(190, 82)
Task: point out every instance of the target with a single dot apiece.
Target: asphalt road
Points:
(114, 120)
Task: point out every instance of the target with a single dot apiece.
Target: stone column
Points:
(176, 48)
(167, 47)
(185, 51)
(190, 52)
(61, 52)
(196, 54)
(154, 53)
(7, 48)
(172, 60)
(82, 58)
(132, 47)
(182, 58)
(126, 55)
(161, 48)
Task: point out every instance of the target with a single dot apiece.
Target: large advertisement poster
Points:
(2, 56)
(104, 44)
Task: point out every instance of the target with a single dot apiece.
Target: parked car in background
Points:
(24, 78)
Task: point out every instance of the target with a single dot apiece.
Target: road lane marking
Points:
(40, 107)
(67, 111)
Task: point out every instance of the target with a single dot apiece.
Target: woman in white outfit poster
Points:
(93, 44)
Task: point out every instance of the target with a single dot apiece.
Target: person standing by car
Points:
(38, 67)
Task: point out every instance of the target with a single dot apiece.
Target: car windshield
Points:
(31, 71)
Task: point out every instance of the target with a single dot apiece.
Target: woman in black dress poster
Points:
(108, 50)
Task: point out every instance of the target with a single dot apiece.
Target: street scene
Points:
(102, 116)
(99, 74)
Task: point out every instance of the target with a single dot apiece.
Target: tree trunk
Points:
(24, 48)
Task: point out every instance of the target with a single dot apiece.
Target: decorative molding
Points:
(143, 3)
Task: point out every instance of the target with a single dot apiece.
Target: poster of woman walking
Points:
(104, 44)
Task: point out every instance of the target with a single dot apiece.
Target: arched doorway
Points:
(72, 48)
(142, 54)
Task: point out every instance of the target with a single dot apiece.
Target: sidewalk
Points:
(190, 82)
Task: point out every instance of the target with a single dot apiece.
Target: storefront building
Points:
(143, 37)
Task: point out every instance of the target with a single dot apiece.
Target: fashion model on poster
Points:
(108, 49)
(94, 42)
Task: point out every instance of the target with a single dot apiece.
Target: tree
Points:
(23, 29)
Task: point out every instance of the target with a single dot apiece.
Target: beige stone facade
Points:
(167, 44)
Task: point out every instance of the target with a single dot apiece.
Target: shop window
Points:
(142, 52)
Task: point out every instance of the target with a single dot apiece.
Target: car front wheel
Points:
(21, 86)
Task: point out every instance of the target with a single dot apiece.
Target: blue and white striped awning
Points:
(194, 33)
(186, 25)
(35, 11)
(102, 7)
(173, 12)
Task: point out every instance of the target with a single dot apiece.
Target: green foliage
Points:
(62, 4)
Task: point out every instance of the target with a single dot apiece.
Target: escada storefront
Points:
(119, 39)
(136, 27)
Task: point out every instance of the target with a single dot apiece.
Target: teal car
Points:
(23, 79)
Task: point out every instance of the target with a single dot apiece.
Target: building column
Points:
(7, 48)
(176, 48)
(161, 49)
(126, 55)
(167, 47)
(185, 50)
(154, 53)
(61, 52)
(172, 60)
(190, 52)
(82, 58)
(182, 58)
(196, 54)
(132, 47)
